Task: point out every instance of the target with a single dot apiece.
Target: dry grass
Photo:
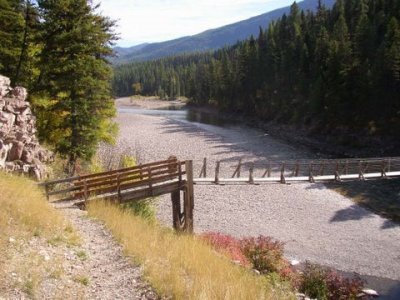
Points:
(27, 226)
(181, 266)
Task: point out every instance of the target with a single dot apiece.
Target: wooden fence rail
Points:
(132, 184)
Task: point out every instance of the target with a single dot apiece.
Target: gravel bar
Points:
(315, 223)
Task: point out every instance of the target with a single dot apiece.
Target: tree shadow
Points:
(352, 213)
(378, 196)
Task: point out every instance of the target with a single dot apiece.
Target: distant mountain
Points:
(123, 51)
(210, 39)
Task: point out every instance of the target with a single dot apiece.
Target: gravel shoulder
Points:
(108, 274)
(316, 223)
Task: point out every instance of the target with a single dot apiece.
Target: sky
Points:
(141, 21)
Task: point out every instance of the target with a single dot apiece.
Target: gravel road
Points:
(316, 224)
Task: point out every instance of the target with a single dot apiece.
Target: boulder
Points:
(7, 121)
(20, 93)
(4, 85)
(16, 151)
(4, 149)
(27, 156)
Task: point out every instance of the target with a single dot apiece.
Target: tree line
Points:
(58, 49)
(331, 68)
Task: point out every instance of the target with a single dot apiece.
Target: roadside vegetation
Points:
(29, 229)
(182, 266)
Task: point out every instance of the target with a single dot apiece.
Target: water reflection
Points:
(179, 113)
(205, 118)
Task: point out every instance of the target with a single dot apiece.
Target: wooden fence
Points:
(300, 171)
(131, 184)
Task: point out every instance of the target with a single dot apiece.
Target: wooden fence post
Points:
(383, 169)
(337, 174)
(203, 172)
(237, 170)
(189, 197)
(85, 190)
(311, 176)
(216, 181)
(176, 210)
(296, 172)
(118, 188)
(283, 180)
(360, 171)
(251, 171)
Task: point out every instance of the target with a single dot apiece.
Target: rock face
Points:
(19, 148)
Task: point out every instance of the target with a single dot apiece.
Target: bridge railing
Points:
(299, 170)
(114, 184)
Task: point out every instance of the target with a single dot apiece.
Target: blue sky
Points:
(142, 21)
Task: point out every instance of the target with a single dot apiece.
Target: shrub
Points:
(264, 253)
(321, 283)
(227, 244)
(343, 288)
(313, 282)
(142, 208)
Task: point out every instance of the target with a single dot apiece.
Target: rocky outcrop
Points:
(19, 147)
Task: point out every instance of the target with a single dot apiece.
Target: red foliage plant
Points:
(265, 253)
(342, 288)
(226, 244)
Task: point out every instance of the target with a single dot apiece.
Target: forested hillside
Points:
(336, 67)
(58, 50)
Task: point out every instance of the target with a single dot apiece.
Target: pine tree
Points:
(75, 77)
(11, 36)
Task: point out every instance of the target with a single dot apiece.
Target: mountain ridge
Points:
(210, 39)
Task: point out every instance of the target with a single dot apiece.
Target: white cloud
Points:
(159, 20)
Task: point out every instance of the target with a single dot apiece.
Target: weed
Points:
(82, 280)
(82, 255)
(313, 282)
(29, 287)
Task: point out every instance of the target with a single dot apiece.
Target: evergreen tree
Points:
(11, 36)
(75, 78)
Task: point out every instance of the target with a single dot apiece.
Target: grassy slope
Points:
(182, 266)
(28, 226)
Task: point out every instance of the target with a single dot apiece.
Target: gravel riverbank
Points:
(316, 224)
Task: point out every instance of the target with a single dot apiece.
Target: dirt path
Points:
(316, 224)
(110, 275)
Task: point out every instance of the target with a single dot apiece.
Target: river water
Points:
(181, 114)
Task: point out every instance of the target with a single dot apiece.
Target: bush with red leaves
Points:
(226, 244)
(321, 283)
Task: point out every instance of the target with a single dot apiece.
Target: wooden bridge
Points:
(322, 170)
(176, 178)
(131, 184)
